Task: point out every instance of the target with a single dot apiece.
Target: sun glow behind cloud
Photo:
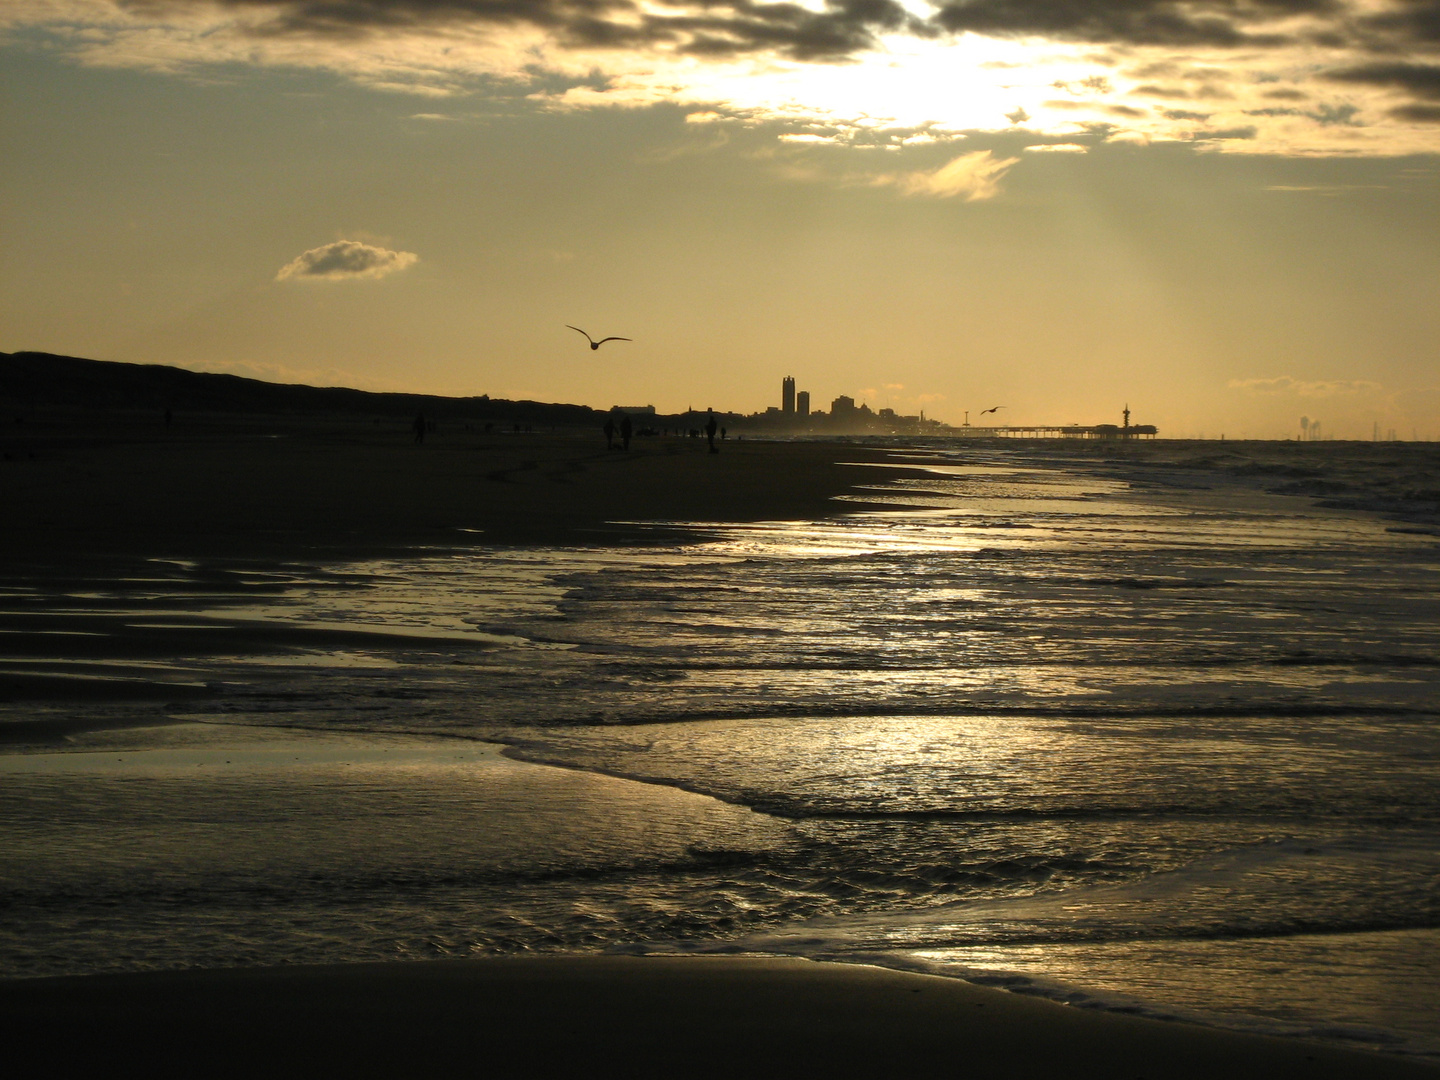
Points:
(1284, 79)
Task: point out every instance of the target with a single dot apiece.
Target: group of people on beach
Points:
(625, 430)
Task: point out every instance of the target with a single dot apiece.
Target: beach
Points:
(326, 747)
(225, 487)
(707, 1016)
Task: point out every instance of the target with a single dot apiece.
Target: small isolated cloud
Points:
(973, 177)
(1326, 189)
(1056, 148)
(417, 88)
(1247, 132)
(345, 260)
(704, 118)
(1323, 388)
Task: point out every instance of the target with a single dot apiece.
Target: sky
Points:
(1223, 213)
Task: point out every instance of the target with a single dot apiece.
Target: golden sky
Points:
(1225, 214)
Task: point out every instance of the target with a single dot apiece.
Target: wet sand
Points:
(643, 1016)
(98, 500)
(294, 490)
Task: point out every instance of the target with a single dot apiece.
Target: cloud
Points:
(1366, 69)
(345, 260)
(1290, 387)
(1407, 22)
(1325, 189)
(834, 29)
(1057, 148)
(1420, 81)
(1249, 131)
(705, 28)
(1177, 23)
(973, 177)
(1417, 113)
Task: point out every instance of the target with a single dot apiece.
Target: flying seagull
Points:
(996, 409)
(596, 344)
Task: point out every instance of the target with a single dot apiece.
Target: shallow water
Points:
(1114, 735)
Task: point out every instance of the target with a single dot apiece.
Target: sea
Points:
(1148, 728)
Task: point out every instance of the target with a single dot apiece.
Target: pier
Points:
(1066, 431)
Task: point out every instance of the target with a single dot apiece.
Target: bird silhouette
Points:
(593, 343)
(996, 409)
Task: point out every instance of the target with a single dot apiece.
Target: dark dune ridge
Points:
(44, 381)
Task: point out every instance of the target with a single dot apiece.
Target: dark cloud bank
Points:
(1404, 42)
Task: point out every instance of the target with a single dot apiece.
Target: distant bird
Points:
(996, 409)
(596, 344)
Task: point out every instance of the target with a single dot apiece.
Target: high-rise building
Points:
(802, 403)
(787, 396)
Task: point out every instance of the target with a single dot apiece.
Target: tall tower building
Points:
(802, 403)
(787, 396)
